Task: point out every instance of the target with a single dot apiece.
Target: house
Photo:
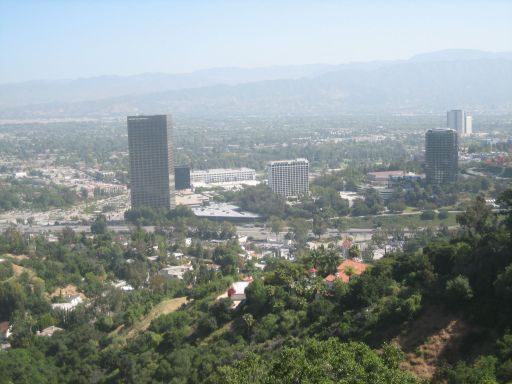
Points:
(237, 290)
(49, 331)
(346, 269)
(175, 272)
(70, 304)
(122, 285)
(5, 346)
(350, 268)
(178, 255)
(5, 330)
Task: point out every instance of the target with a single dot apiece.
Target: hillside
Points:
(441, 313)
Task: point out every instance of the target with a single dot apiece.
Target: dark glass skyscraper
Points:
(182, 177)
(150, 145)
(441, 155)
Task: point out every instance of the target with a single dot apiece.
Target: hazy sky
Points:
(68, 39)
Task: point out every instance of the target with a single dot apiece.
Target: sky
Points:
(65, 39)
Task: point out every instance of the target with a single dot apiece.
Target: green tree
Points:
(478, 218)
(300, 230)
(459, 290)
(256, 297)
(319, 226)
(99, 226)
(276, 225)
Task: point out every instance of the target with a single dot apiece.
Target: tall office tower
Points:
(468, 130)
(460, 121)
(182, 177)
(151, 161)
(289, 177)
(441, 155)
(455, 119)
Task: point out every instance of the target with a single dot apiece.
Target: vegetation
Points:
(291, 328)
(21, 194)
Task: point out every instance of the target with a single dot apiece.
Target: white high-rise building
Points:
(469, 125)
(459, 121)
(289, 177)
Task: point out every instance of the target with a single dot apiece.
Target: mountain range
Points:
(427, 83)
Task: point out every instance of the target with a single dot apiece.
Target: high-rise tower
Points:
(460, 121)
(150, 144)
(289, 177)
(441, 155)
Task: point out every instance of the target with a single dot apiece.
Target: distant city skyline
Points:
(65, 40)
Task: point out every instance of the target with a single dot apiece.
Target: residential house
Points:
(69, 305)
(49, 331)
(345, 271)
(237, 290)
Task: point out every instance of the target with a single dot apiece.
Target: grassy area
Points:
(398, 221)
(163, 308)
(217, 333)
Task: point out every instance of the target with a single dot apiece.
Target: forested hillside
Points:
(446, 308)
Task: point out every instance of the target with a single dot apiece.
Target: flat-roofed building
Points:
(182, 177)
(222, 175)
(460, 121)
(289, 178)
(441, 155)
(150, 147)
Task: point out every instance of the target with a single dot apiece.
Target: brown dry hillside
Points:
(436, 336)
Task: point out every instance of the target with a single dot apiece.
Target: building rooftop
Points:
(49, 331)
(221, 170)
(441, 130)
(356, 267)
(220, 210)
(288, 161)
(386, 174)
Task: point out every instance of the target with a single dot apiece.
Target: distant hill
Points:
(461, 55)
(433, 82)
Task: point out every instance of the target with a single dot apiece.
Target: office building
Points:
(182, 177)
(460, 121)
(441, 155)
(151, 161)
(469, 125)
(289, 177)
(222, 175)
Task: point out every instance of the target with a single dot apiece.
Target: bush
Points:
(428, 215)
(459, 290)
(443, 215)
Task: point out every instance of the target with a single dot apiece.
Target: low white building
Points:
(222, 175)
(175, 272)
(49, 331)
(122, 285)
(71, 303)
(237, 290)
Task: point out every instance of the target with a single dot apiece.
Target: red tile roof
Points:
(4, 327)
(356, 266)
(330, 278)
